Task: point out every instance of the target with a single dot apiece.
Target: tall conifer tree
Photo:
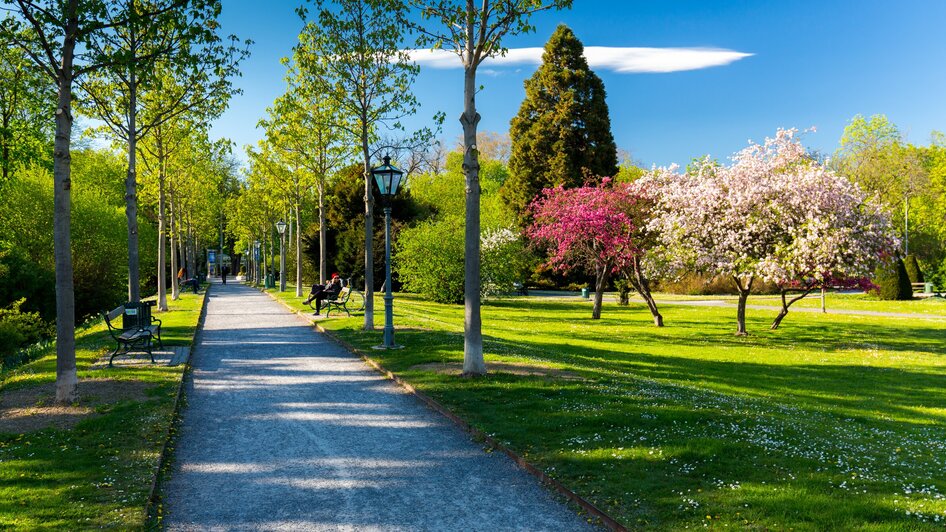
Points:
(562, 133)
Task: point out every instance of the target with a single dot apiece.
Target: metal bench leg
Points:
(114, 354)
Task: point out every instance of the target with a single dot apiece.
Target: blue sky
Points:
(813, 64)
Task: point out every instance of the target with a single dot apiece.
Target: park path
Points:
(284, 429)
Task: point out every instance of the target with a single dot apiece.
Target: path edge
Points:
(151, 519)
(605, 519)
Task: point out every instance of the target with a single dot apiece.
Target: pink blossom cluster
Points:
(592, 227)
(775, 214)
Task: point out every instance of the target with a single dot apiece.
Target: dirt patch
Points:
(524, 370)
(34, 408)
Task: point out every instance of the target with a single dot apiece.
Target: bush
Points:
(914, 272)
(19, 329)
(892, 281)
(429, 259)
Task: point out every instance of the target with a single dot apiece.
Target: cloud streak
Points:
(623, 60)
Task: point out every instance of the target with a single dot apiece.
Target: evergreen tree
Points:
(562, 134)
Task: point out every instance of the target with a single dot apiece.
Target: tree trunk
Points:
(640, 283)
(175, 258)
(741, 308)
(298, 252)
(601, 282)
(162, 233)
(784, 311)
(131, 193)
(369, 231)
(67, 381)
(323, 234)
(473, 361)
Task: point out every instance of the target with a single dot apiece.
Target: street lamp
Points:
(388, 178)
(281, 227)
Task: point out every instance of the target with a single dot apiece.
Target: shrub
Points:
(892, 281)
(694, 284)
(19, 329)
(429, 259)
(914, 272)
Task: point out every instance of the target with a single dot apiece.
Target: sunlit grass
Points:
(99, 473)
(832, 422)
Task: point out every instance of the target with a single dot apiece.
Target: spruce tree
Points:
(562, 133)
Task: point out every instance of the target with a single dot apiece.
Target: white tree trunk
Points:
(473, 361)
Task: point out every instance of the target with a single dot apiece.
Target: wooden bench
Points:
(340, 302)
(133, 333)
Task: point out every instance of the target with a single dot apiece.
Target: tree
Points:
(177, 64)
(303, 124)
(874, 154)
(474, 34)
(66, 40)
(352, 56)
(590, 228)
(774, 215)
(25, 102)
(562, 133)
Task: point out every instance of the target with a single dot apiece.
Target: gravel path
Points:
(284, 429)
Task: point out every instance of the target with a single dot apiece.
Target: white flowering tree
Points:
(774, 214)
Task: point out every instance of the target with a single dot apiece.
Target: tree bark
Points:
(298, 250)
(131, 193)
(473, 361)
(67, 381)
(744, 291)
(369, 231)
(175, 259)
(784, 311)
(601, 282)
(162, 233)
(323, 234)
(642, 285)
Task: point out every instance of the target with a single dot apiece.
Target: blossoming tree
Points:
(591, 228)
(774, 214)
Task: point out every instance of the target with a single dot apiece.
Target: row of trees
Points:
(153, 73)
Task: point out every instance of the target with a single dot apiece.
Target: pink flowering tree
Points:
(589, 228)
(774, 214)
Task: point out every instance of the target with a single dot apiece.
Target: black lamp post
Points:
(388, 179)
(281, 227)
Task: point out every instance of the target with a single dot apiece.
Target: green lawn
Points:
(99, 473)
(832, 422)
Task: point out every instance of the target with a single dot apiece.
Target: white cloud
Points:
(626, 60)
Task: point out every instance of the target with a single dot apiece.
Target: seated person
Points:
(321, 292)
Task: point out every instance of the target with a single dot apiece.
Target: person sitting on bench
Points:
(321, 292)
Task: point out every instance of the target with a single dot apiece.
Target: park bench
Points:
(139, 329)
(340, 302)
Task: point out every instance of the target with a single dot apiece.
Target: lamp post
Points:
(388, 179)
(281, 227)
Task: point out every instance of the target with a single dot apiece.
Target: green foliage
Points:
(914, 273)
(893, 283)
(429, 259)
(99, 247)
(562, 133)
(19, 329)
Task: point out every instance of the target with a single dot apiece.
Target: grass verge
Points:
(99, 473)
(832, 422)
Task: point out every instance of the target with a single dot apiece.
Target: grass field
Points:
(833, 301)
(830, 423)
(97, 474)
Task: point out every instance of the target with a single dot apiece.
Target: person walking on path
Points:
(223, 274)
(286, 430)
